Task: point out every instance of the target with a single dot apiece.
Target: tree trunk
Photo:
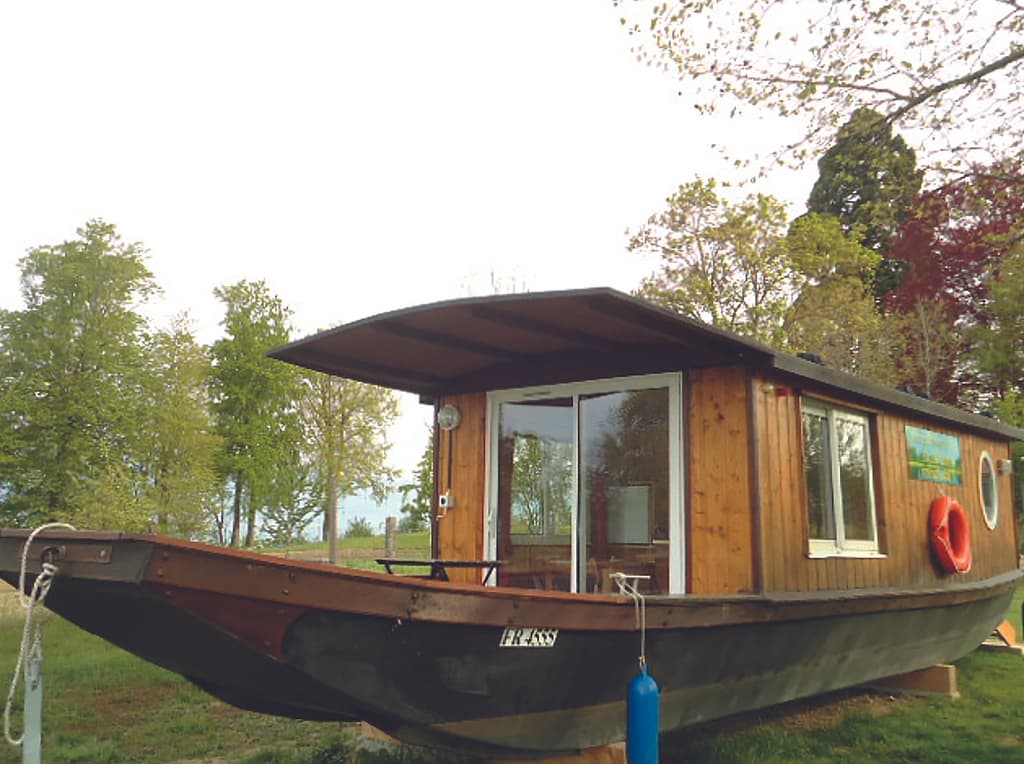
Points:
(236, 513)
(331, 511)
(250, 529)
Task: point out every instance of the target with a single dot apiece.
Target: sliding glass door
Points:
(585, 481)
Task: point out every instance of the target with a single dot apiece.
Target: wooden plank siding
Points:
(718, 508)
(460, 534)
(902, 505)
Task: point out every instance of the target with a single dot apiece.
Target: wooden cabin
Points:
(588, 432)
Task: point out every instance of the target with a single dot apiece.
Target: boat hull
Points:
(488, 670)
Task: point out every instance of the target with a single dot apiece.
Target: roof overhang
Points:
(540, 338)
(516, 340)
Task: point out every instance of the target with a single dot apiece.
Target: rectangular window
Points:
(840, 490)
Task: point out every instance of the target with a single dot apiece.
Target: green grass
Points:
(361, 551)
(105, 706)
(101, 704)
(407, 542)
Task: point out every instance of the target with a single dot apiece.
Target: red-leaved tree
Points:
(950, 250)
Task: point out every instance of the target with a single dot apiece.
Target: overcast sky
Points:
(359, 156)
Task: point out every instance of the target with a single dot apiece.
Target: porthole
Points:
(988, 490)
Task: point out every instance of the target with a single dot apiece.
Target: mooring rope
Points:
(627, 585)
(31, 644)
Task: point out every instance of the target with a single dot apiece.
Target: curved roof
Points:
(519, 340)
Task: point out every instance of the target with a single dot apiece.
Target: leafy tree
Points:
(253, 398)
(999, 342)
(359, 527)
(950, 249)
(834, 314)
(1011, 410)
(931, 346)
(720, 263)
(418, 496)
(178, 455)
(346, 433)
(955, 237)
(72, 383)
(948, 72)
(294, 500)
(869, 180)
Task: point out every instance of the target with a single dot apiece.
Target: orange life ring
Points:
(950, 535)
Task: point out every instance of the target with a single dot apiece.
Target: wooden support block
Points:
(369, 732)
(934, 680)
(1007, 633)
(1003, 639)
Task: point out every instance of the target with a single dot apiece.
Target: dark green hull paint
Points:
(440, 677)
(421, 679)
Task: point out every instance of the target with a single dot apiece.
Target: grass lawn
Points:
(103, 705)
(361, 551)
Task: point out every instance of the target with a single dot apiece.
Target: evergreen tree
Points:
(869, 180)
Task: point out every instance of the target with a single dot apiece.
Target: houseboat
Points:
(788, 530)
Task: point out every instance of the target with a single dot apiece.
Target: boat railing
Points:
(438, 568)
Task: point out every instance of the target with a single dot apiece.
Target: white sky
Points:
(359, 156)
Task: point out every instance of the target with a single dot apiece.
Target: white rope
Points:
(31, 644)
(627, 585)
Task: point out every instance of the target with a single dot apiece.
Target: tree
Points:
(346, 424)
(931, 346)
(253, 397)
(1011, 410)
(178, 455)
(948, 72)
(834, 314)
(418, 496)
(999, 343)
(869, 180)
(73, 384)
(720, 263)
(359, 527)
(295, 497)
(955, 237)
(950, 249)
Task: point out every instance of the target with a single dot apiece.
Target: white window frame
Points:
(992, 522)
(674, 382)
(841, 546)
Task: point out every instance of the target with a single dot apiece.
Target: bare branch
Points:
(976, 76)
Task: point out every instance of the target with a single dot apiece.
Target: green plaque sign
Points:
(933, 456)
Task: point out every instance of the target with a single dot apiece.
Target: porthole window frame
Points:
(990, 514)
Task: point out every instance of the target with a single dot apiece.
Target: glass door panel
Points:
(536, 492)
(624, 488)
